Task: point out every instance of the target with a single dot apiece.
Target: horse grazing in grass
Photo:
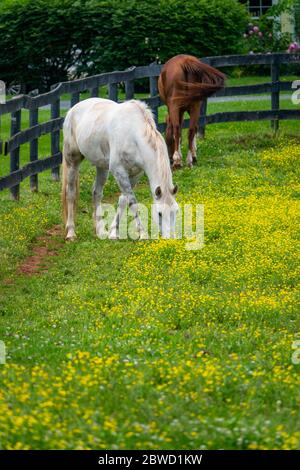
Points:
(183, 83)
(121, 138)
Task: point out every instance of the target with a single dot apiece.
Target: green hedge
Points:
(297, 19)
(38, 39)
(42, 40)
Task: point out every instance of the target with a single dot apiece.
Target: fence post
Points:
(153, 93)
(129, 89)
(275, 96)
(75, 98)
(129, 86)
(202, 121)
(95, 92)
(203, 112)
(15, 154)
(33, 155)
(55, 137)
(113, 91)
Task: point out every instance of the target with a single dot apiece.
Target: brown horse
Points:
(183, 84)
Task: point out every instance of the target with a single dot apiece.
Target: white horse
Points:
(123, 139)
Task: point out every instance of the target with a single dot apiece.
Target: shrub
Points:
(142, 32)
(297, 18)
(265, 35)
(40, 41)
(44, 42)
(261, 38)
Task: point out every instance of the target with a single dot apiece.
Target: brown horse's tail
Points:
(201, 81)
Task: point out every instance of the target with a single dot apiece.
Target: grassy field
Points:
(122, 345)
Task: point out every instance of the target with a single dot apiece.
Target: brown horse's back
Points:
(185, 79)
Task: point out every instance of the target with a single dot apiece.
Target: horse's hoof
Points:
(177, 165)
(194, 160)
(102, 235)
(177, 160)
(190, 159)
(113, 236)
(144, 236)
(70, 238)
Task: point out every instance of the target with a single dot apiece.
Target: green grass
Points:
(145, 344)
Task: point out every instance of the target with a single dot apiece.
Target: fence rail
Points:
(92, 84)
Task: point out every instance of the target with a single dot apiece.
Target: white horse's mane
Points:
(156, 141)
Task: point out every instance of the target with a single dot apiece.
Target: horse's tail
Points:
(201, 81)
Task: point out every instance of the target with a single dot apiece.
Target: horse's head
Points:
(164, 210)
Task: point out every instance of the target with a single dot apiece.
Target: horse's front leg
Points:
(133, 205)
(115, 226)
(101, 177)
(125, 184)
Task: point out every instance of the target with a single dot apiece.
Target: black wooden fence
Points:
(92, 84)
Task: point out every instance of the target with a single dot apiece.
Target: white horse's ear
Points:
(175, 190)
(158, 192)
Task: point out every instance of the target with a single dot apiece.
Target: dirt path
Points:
(45, 247)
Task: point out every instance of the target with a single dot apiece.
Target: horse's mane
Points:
(200, 81)
(156, 141)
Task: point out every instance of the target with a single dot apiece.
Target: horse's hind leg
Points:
(170, 139)
(71, 162)
(72, 189)
(101, 177)
(194, 117)
(176, 116)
